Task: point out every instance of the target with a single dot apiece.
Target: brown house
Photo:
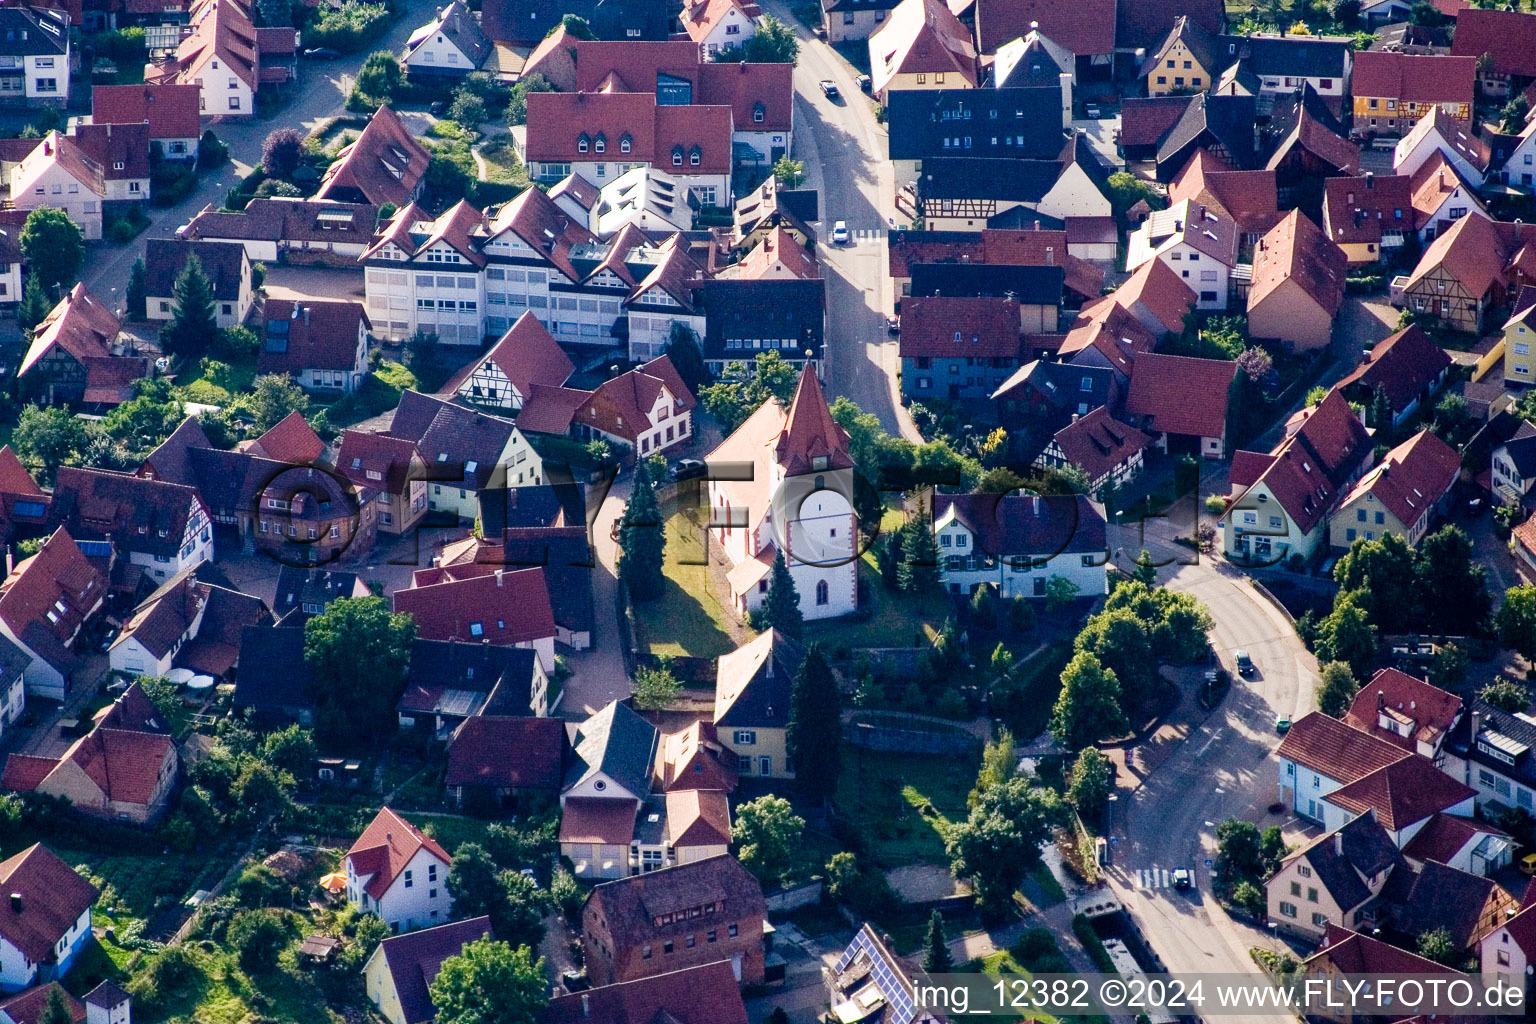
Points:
(1298, 284)
(678, 917)
(392, 467)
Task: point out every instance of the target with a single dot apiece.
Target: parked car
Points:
(1282, 723)
(438, 108)
(1092, 111)
(322, 53)
(829, 89)
(1244, 664)
(864, 83)
(687, 469)
(893, 325)
(840, 234)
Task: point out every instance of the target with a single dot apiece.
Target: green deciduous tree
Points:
(357, 652)
(738, 392)
(1059, 592)
(258, 937)
(56, 1009)
(291, 750)
(281, 151)
(781, 608)
(789, 172)
(1090, 782)
(687, 358)
(1453, 585)
(1089, 706)
(1438, 945)
(1240, 850)
(814, 737)
(936, 956)
(772, 42)
(1119, 640)
(655, 688)
(1506, 695)
(517, 106)
(1517, 620)
(273, 397)
(380, 77)
(1347, 635)
(999, 842)
(998, 765)
(53, 248)
(490, 982)
(47, 438)
(1336, 688)
(642, 541)
(1145, 572)
(767, 834)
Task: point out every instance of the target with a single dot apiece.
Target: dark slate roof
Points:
(1011, 123)
(1030, 285)
(1144, 23)
(1290, 56)
(567, 560)
(222, 262)
(462, 30)
(1515, 734)
(1060, 386)
(748, 309)
(953, 177)
(618, 743)
(1206, 122)
(541, 505)
(33, 32)
(1521, 449)
(450, 436)
(1361, 847)
(502, 675)
(297, 587)
(273, 676)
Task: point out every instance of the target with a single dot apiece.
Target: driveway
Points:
(320, 92)
(844, 152)
(1225, 768)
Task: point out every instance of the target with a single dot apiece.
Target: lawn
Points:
(904, 802)
(502, 166)
(686, 619)
(241, 376)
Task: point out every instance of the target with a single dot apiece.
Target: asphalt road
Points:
(320, 92)
(844, 152)
(1224, 768)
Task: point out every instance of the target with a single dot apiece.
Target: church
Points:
(789, 486)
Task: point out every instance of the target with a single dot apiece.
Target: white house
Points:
(162, 527)
(1507, 953)
(396, 872)
(1195, 241)
(451, 44)
(58, 173)
(798, 499)
(465, 450)
(36, 62)
(13, 694)
(220, 56)
(45, 919)
(1404, 796)
(1320, 756)
(1439, 132)
(717, 25)
(1441, 197)
(501, 380)
(1018, 543)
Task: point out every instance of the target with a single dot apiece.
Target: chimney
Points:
(1442, 179)
(1351, 199)
(1381, 700)
(306, 316)
(1050, 255)
(500, 573)
(1035, 502)
(15, 902)
(1338, 843)
(1037, 225)
(586, 1004)
(1370, 179)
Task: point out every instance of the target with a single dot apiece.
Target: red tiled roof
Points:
(507, 753)
(635, 62)
(1404, 364)
(57, 575)
(1308, 470)
(700, 17)
(14, 478)
(1402, 793)
(1436, 180)
(622, 405)
(549, 410)
(527, 355)
(694, 759)
(1160, 291)
(220, 29)
(1111, 329)
(1430, 709)
(697, 995)
(291, 439)
(558, 121)
(779, 248)
(1411, 478)
(1444, 836)
(1509, 36)
(994, 247)
(80, 324)
(1450, 132)
(1098, 443)
(1522, 927)
(384, 164)
(1358, 210)
(124, 764)
(1319, 140)
(585, 819)
(27, 1007)
(1420, 78)
(509, 607)
(743, 86)
(1355, 953)
(1181, 395)
(1297, 250)
(25, 772)
(1329, 747)
(1249, 198)
(921, 37)
(959, 327)
(1145, 120)
(318, 336)
(52, 899)
(698, 817)
(1084, 29)
(386, 847)
(810, 432)
(415, 958)
(543, 227)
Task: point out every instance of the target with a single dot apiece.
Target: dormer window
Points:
(583, 143)
(694, 156)
(625, 143)
(759, 113)
(677, 156)
(600, 144)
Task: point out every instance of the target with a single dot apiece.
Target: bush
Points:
(169, 972)
(347, 28)
(258, 936)
(211, 152)
(1249, 897)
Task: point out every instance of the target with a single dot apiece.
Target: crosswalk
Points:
(1153, 878)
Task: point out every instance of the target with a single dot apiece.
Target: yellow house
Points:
(752, 686)
(1185, 63)
(399, 972)
(1400, 495)
(922, 46)
(1392, 91)
(1519, 332)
